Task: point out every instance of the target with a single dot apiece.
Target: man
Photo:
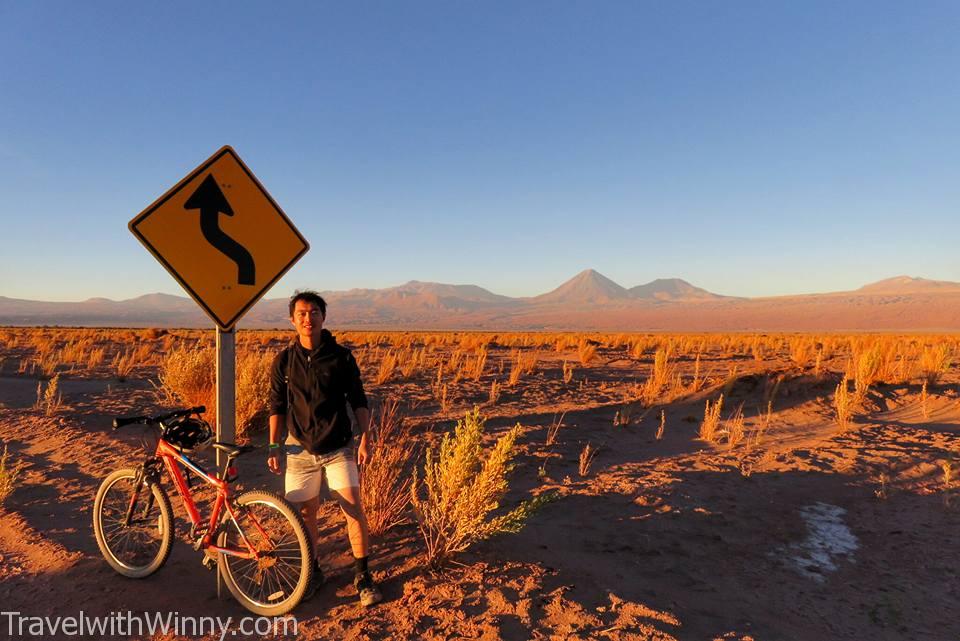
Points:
(311, 382)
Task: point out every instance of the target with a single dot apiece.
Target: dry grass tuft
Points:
(734, 428)
(522, 363)
(587, 454)
(923, 401)
(9, 474)
(947, 467)
(554, 429)
(587, 351)
(494, 392)
(710, 426)
(388, 365)
(843, 404)
(385, 481)
(660, 375)
(122, 364)
(50, 400)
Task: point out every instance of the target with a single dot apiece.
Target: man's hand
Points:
(273, 460)
(365, 450)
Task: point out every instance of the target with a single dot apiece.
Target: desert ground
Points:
(815, 501)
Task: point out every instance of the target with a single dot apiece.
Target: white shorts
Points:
(307, 472)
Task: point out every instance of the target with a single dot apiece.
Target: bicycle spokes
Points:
(132, 524)
(273, 572)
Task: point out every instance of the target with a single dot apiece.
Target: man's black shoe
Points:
(316, 582)
(367, 590)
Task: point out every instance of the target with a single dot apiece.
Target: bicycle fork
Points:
(141, 480)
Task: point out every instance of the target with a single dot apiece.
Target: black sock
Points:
(360, 565)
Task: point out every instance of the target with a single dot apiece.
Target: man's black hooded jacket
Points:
(312, 388)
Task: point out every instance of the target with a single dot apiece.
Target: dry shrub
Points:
(388, 365)
(567, 372)
(587, 351)
(801, 349)
(460, 486)
(866, 369)
(253, 391)
(8, 475)
(934, 361)
(385, 481)
(153, 333)
(188, 377)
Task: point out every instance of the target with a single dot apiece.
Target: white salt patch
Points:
(828, 538)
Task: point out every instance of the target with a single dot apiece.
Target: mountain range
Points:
(588, 301)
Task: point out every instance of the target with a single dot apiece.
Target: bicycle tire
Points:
(276, 584)
(139, 550)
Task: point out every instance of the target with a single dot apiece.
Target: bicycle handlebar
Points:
(120, 421)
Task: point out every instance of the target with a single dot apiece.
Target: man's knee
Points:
(349, 500)
(308, 508)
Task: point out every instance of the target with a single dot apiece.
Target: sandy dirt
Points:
(811, 533)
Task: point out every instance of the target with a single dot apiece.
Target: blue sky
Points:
(752, 148)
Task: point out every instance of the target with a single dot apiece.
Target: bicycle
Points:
(262, 550)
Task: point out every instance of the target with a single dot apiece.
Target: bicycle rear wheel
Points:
(141, 548)
(275, 583)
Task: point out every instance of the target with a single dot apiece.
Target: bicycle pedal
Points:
(209, 562)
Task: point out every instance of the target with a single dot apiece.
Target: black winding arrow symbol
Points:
(210, 201)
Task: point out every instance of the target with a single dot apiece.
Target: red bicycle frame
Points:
(171, 456)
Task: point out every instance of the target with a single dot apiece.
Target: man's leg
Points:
(302, 482)
(308, 510)
(357, 530)
(344, 482)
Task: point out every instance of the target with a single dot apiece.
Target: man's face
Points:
(307, 320)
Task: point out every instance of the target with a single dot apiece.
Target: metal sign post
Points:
(226, 397)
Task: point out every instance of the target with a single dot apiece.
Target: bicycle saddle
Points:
(232, 449)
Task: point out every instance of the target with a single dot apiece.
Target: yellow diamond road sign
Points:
(222, 236)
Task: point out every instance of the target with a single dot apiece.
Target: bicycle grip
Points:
(199, 409)
(127, 420)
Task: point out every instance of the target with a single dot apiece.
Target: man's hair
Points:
(311, 297)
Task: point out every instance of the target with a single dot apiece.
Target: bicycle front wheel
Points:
(274, 583)
(140, 547)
